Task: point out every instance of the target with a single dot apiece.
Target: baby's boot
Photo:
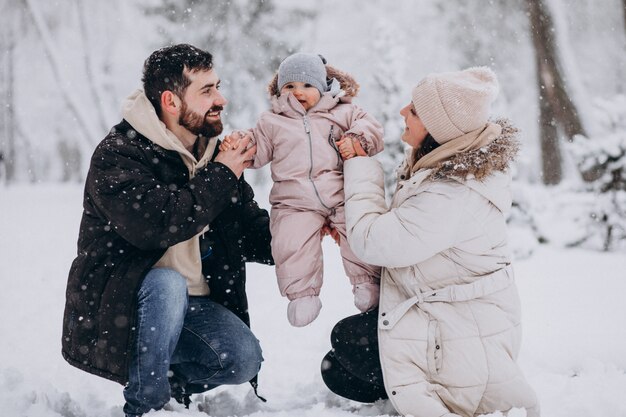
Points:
(366, 295)
(303, 311)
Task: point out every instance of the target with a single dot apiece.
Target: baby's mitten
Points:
(366, 295)
(303, 311)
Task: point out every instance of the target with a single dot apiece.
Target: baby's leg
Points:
(357, 270)
(297, 251)
(365, 278)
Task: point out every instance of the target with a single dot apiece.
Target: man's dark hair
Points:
(164, 70)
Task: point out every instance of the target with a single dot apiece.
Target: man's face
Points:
(202, 104)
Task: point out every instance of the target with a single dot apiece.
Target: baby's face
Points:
(305, 93)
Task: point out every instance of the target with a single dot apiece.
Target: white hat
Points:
(451, 104)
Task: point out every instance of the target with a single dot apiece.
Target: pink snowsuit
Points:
(307, 171)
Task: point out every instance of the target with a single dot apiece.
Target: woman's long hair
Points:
(428, 145)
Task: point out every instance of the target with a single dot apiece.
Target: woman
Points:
(447, 332)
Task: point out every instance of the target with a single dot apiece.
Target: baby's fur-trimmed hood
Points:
(347, 82)
(481, 163)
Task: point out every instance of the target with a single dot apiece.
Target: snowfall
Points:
(573, 351)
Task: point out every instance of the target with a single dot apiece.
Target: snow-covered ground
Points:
(574, 348)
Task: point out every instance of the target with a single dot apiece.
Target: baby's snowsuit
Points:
(307, 171)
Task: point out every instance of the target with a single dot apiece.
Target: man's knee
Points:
(166, 285)
(243, 361)
(164, 293)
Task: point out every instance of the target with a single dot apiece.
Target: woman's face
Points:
(414, 132)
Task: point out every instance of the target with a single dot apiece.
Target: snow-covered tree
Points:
(495, 33)
(602, 160)
(389, 87)
(66, 65)
(58, 94)
(247, 39)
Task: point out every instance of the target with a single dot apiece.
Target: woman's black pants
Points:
(352, 368)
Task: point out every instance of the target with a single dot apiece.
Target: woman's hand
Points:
(349, 146)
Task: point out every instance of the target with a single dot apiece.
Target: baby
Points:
(312, 118)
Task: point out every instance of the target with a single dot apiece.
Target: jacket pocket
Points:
(435, 348)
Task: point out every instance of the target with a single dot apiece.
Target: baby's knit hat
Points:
(451, 104)
(305, 68)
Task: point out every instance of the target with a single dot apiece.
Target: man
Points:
(156, 296)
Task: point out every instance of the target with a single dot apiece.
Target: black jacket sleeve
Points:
(245, 227)
(146, 211)
(256, 231)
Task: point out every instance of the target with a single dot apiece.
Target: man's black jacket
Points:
(138, 201)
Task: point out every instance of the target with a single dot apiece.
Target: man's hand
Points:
(237, 158)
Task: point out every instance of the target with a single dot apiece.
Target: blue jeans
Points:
(191, 340)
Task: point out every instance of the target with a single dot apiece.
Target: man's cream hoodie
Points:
(183, 257)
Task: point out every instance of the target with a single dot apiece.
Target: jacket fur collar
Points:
(483, 162)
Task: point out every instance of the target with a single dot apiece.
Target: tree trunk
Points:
(551, 161)
(624, 13)
(7, 90)
(555, 104)
(551, 81)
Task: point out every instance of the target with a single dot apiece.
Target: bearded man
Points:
(156, 296)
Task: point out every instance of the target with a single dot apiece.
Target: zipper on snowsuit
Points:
(333, 144)
(307, 129)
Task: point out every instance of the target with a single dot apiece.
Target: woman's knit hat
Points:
(451, 104)
(305, 68)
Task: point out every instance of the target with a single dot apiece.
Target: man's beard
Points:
(199, 125)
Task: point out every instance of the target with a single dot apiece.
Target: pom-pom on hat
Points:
(451, 104)
(305, 68)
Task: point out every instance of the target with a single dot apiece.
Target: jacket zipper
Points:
(333, 144)
(307, 129)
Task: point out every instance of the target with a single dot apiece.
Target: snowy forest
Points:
(66, 66)
(561, 64)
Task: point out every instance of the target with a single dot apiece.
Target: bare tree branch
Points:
(93, 87)
(52, 55)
